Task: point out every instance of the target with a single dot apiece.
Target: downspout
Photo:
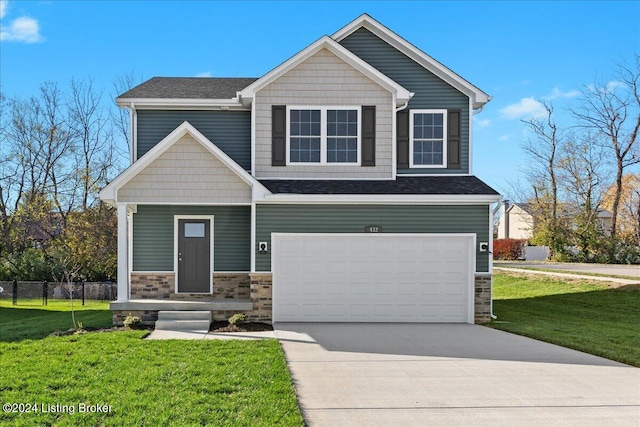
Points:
(406, 104)
(134, 131)
(491, 214)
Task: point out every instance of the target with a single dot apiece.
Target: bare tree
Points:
(120, 116)
(611, 110)
(94, 147)
(582, 169)
(543, 151)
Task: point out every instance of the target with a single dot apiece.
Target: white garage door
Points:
(373, 277)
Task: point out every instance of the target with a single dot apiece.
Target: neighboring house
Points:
(337, 187)
(516, 220)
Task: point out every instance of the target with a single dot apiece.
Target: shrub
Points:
(132, 321)
(508, 249)
(238, 319)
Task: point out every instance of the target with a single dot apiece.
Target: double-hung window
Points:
(427, 138)
(323, 135)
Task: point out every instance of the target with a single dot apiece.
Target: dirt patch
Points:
(224, 326)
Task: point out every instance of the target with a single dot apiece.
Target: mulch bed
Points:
(224, 326)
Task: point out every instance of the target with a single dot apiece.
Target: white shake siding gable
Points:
(186, 173)
(324, 79)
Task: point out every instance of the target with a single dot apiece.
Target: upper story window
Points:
(427, 138)
(323, 135)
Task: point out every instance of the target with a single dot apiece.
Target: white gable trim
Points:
(478, 97)
(109, 194)
(402, 95)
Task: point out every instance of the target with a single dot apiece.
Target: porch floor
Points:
(178, 305)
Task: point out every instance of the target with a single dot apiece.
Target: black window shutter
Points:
(278, 135)
(369, 135)
(402, 139)
(453, 139)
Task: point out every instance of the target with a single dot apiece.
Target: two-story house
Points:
(337, 187)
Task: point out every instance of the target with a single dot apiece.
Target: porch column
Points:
(123, 257)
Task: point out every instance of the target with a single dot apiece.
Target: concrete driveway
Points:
(451, 375)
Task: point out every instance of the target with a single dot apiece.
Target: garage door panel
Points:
(372, 278)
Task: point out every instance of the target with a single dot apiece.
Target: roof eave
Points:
(142, 103)
(383, 198)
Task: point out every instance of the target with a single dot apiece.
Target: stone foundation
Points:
(256, 287)
(226, 286)
(231, 285)
(147, 317)
(152, 285)
(482, 298)
(261, 297)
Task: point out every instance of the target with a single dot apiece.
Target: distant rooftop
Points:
(189, 87)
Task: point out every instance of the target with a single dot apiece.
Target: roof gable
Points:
(110, 192)
(478, 97)
(402, 95)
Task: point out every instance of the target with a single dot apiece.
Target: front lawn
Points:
(138, 382)
(589, 317)
(30, 319)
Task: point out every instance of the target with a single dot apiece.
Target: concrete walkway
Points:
(451, 375)
(603, 269)
(570, 275)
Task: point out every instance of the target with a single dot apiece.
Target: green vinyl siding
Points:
(153, 236)
(431, 92)
(354, 219)
(228, 130)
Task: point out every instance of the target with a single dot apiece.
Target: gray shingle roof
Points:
(427, 185)
(190, 87)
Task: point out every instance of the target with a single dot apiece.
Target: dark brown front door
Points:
(194, 255)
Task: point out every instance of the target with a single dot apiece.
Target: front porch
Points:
(147, 309)
(255, 301)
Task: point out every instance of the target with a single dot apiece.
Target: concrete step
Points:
(192, 321)
(184, 315)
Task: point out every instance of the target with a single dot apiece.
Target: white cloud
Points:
(22, 29)
(504, 137)
(482, 123)
(607, 88)
(525, 109)
(613, 85)
(204, 74)
(3, 8)
(558, 93)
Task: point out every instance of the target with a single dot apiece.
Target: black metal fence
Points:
(30, 290)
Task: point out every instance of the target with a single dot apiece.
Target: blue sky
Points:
(518, 52)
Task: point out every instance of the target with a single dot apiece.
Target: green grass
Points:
(31, 320)
(145, 383)
(589, 317)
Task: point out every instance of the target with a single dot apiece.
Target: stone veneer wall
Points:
(147, 317)
(261, 297)
(162, 286)
(482, 298)
(152, 285)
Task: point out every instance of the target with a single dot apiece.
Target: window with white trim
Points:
(323, 135)
(427, 138)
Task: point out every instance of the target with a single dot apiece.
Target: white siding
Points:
(186, 173)
(324, 79)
